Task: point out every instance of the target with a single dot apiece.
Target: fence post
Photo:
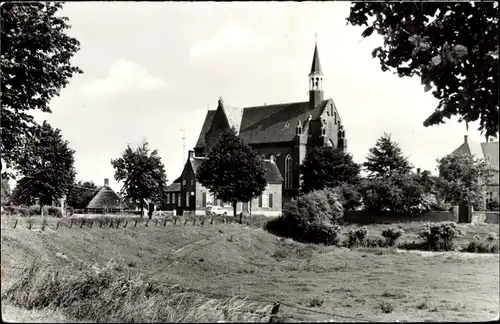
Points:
(135, 223)
(118, 223)
(175, 220)
(194, 221)
(202, 221)
(147, 222)
(165, 222)
(185, 222)
(71, 223)
(43, 224)
(225, 220)
(156, 222)
(81, 224)
(110, 223)
(100, 223)
(29, 225)
(91, 223)
(57, 226)
(124, 226)
(15, 224)
(274, 313)
(212, 221)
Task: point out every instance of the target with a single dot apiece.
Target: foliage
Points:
(440, 237)
(486, 246)
(493, 205)
(5, 192)
(391, 235)
(398, 193)
(80, 194)
(47, 166)
(386, 158)
(349, 196)
(327, 167)
(233, 171)
(311, 218)
(35, 66)
(452, 47)
(142, 173)
(357, 237)
(462, 179)
(109, 295)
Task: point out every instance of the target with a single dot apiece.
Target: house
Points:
(106, 199)
(489, 152)
(185, 194)
(280, 133)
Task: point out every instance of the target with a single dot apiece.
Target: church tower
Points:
(315, 81)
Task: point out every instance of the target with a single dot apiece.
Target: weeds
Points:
(386, 307)
(315, 302)
(107, 295)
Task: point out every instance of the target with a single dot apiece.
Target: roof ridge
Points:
(278, 104)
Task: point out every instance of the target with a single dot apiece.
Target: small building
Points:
(106, 199)
(186, 195)
(489, 152)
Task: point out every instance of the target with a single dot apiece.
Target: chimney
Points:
(190, 154)
(465, 138)
(106, 182)
(418, 170)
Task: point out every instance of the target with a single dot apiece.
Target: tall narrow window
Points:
(288, 171)
(187, 199)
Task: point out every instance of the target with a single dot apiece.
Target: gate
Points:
(464, 214)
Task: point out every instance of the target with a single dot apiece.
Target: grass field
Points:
(312, 283)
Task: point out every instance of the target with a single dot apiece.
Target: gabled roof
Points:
(173, 187)
(275, 123)
(273, 174)
(206, 126)
(486, 150)
(316, 66)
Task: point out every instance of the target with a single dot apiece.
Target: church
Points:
(280, 133)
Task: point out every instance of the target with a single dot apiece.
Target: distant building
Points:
(106, 199)
(489, 152)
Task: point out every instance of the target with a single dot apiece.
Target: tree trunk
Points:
(142, 207)
(234, 209)
(41, 207)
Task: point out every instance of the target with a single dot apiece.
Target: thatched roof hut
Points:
(106, 198)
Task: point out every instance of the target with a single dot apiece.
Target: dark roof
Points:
(273, 174)
(106, 198)
(174, 187)
(316, 66)
(275, 123)
(206, 126)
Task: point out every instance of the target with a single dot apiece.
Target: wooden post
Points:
(110, 223)
(29, 225)
(194, 221)
(165, 222)
(81, 224)
(91, 223)
(124, 226)
(185, 222)
(135, 223)
(224, 219)
(15, 224)
(43, 224)
(71, 223)
(241, 216)
(175, 220)
(118, 223)
(147, 221)
(156, 222)
(57, 226)
(212, 221)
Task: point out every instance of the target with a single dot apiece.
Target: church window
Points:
(317, 80)
(288, 171)
(334, 118)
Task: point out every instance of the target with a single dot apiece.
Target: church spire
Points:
(315, 80)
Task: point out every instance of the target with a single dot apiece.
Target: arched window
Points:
(288, 171)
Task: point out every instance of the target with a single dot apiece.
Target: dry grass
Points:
(419, 286)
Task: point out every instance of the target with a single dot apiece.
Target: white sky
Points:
(151, 69)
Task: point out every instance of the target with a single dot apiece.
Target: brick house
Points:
(489, 152)
(280, 133)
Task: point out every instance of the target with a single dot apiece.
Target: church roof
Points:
(173, 187)
(316, 66)
(233, 115)
(206, 126)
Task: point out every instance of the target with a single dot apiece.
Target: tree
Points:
(462, 179)
(24, 193)
(5, 192)
(452, 47)
(80, 194)
(47, 165)
(386, 158)
(35, 66)
(232, 170)
(142, 172)
(327, 167)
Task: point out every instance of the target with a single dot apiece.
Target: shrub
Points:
(54, 211)
(357, 237)
(375, 242)
(349, 196)
(440, 237)
(493, 205)
(24, 211)
(311, 218)
(10, 209)
(391, 235)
